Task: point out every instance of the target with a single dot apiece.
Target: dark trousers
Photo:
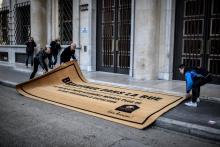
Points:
(55, 59)
(29, 55)
(198, 82)
(36, 64)
(50, 63)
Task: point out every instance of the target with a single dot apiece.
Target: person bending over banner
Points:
(40, 59)
(68, 53)
(55, 48)
(195, 77)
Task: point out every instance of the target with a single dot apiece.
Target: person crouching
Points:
(195, 78)
(39, 59)
(68, 53)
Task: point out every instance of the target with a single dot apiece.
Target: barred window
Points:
(4, 13)
(22, 22)
(65, 20)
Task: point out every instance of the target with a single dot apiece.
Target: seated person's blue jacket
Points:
(191, 75)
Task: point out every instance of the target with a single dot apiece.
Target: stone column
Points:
(55, 19)
(166, 52)
(11, 22)
(49, 21)
(92, 35)
(146, 39)
(131, 71)
(38, 22)
(88, 35)
(76, 22)
(76, 28)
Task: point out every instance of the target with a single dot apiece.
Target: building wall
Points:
(11, 49)
(166, 39)
(38, 22)
(85, 52)
(146, 38)
(84, 34)
(54, 19)
(152, 31)
(153, 39)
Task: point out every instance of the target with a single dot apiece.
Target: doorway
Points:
(197, 36)
(113, 35)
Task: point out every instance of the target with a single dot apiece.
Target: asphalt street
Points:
(28, 122)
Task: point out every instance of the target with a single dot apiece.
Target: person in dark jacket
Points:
(195, 78)
(30, 45)
(55, 48)
(68, 53)
(39, 59)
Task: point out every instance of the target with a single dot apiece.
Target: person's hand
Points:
(55, 66)
(45, 71)
(188, 95)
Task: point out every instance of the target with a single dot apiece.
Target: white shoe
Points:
(191, 104)
(198, 100)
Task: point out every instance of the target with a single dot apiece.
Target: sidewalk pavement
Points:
(203, 121)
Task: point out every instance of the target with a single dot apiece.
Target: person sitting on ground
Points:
(195, 78)
(39, 59)
(68, 53)
(55, 48)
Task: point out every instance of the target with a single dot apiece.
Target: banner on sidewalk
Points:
(66, 86)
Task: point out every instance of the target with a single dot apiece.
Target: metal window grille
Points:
(114, 31)
(4, 28)
(200, 38)
(193, 33)
(22, 22)
(65, 21)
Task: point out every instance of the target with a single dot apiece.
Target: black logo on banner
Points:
(66, 80)
(127, 108)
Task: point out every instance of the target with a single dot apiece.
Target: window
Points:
(3, 56)
(22, 22)
(65, 21)
(4, 39)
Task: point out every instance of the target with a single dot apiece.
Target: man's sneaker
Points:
(191, 104)
(198, 100)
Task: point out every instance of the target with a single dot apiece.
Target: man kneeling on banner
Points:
(195, 77)
(39, 59)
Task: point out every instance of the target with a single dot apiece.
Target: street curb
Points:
(8, 83)
(188, 128)
(170, 124)
(40, 72)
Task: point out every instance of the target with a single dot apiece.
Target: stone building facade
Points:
(146, 39)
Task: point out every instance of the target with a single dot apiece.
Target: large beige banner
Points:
(65, 86)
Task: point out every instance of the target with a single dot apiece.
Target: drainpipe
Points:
(133, 37)
(79, 26)
(78, 43)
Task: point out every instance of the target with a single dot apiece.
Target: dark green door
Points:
(197, 36)
(113, 35)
